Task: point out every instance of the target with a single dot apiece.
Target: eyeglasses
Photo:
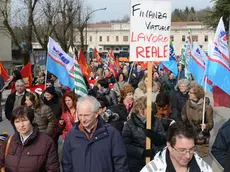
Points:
(184, 151)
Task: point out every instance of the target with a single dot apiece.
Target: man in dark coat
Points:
(91, 145)
(221, 144)
(16, 98)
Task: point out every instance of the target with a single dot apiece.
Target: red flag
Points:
(220, 97)
(117, 63)
(4, 72)
(84, 65)
(97, 56)
(26, 73)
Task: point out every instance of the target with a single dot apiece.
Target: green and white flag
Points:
(79, 82)
(186, 51)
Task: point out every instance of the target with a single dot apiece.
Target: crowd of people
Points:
(106, 130)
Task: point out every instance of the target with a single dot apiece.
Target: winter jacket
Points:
(37, 154)
(178, 101)
(110, 95)
(192, 113)
(221, 144)
(227, 165)
(55, 105)
(45, 119)
(9, 106)
(69, 122)
(105, 152)
(134, 135)
(163, 163)
(181, 75)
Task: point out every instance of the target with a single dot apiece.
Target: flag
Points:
(218, 70)
(220, 97)
(60, 64)
(117, 63)
(172, 63)
(4, 72)
(79, 82)
(97, 56)
(111, 63)
(186, 51)
(84, 65)
(197, 66)
(26, 73)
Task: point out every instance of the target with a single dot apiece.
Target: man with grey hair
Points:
(16, 98)
(92, 145)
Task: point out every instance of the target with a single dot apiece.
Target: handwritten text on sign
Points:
(150, 25)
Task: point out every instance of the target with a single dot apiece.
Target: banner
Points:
(26, 73)
(37, 88)
(150, 25)
(85, 69)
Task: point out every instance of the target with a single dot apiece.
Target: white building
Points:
(116, 36)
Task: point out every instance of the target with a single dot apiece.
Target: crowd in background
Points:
(123, 105)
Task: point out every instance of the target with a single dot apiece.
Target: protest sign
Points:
(150, 25)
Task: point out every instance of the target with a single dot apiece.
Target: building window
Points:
(172, 38)
(206, 38)
(201, 46)
(100, 38)
(183, 38)
(195, 38)
(90, 38)
(107, 38)
(117, 49)
(117, 38)
(125, 38)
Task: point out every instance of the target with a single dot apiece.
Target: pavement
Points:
(221, 115)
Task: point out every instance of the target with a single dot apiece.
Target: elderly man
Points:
(91, 145)
(179, 155)
(16, 98)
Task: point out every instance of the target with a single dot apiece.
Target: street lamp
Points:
(86, 20)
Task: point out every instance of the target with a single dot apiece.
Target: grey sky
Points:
(117, 9)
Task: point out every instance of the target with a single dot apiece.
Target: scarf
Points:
(161, 112)
(88, 135)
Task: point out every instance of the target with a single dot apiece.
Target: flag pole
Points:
(203, 115)
(149, 106)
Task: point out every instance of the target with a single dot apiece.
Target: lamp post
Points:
(86, 21)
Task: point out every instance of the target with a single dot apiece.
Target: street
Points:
(221, 115)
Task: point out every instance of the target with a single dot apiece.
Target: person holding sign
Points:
(134, 134)
(180, 154)
(192, 113)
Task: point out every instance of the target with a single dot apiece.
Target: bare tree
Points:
(5, 14)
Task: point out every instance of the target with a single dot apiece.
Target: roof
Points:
(175, 24)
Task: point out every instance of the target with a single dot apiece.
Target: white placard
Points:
(150, 25)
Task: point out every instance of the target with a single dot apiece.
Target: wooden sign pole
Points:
(149, 106)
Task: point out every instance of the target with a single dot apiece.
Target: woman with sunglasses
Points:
(134, 134)
(193, 113)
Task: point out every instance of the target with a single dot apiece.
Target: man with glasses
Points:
(179, 155)
(91, 145)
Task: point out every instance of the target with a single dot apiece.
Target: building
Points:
(5, 38)
(116, 35)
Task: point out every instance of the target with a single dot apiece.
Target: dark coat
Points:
(221, 144)
(9, 106)
(227, 165)
(104, 153)
(178, 101)
(45, 119)
(134, 134)
(37, 154)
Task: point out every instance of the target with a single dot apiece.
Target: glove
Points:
(148, 153)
